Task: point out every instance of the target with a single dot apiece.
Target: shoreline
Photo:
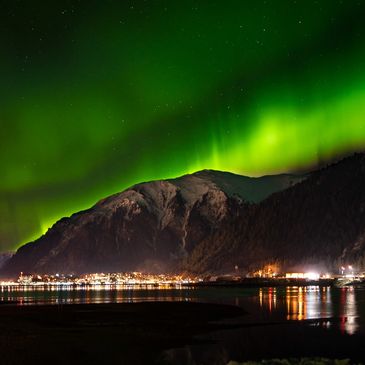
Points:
(162, 332)
(244, 282)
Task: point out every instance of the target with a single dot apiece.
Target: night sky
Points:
(99, 95)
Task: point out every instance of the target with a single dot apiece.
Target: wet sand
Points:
(129, 333)
(185, 333)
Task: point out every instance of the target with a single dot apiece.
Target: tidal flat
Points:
(163, 332)
(127, 333)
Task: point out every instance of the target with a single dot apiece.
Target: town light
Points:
(311, 276)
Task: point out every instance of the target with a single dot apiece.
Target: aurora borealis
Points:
(99, 95)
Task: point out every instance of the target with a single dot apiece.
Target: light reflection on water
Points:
(30, 295)
(300, 302)
(290, 303)
(313, 302)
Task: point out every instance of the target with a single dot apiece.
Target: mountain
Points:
(213, 221)
(319, 223)
(4, 257)
(151, 226)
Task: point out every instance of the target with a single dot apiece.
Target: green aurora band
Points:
(99, 95)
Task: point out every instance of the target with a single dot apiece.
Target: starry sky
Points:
(99, 95)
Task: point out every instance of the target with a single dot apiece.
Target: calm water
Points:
(343, 306)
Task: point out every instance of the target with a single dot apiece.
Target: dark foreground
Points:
(162, 333)
(104, 333)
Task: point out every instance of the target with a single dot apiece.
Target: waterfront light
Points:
(102, 279)
(303, 275)
(311, 276)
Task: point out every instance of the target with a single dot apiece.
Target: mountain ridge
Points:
(319, 222)
(210, 221)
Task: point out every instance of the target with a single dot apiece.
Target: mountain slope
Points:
(212, 221)
(151, 226)
(319, 222)
(4, 257)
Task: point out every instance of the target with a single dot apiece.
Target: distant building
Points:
(302, 275)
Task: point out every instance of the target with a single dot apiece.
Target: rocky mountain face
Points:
(4, 257)
(211, 221)
(151, 226)
(317, 223)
